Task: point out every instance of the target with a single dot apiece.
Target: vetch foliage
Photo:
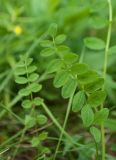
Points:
(78, 79)
(25, 74)
(78, 56)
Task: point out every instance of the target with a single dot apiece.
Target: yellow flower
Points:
(18, 30)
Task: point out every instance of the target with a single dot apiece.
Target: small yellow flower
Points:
(18, 30)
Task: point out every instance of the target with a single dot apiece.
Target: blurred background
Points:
(24, 23)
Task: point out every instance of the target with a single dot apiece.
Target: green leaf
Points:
(69, 88)
(20, 71)
(34, 87)
(112, 50)
(87, 77)
(78, 101)
(101, 116)
(79, 69)
(60, 38)
(27, 104)
(52, 30)
(94, 43)
(96, 134)
(31, 69)
(61, 78)
(87, 115)
(20, 64)
(70, 58)
(24, 61)
(46, 150)
(33, 77)
(28, 61)
(24, 92)
(98, 22)
(37, 101)
(47, 52)
(35, 141)
(111, 124)
(62, 49)
(41, 119)
(46, 43)
(21, 80)
(93, 86)
(54, 66)
(30, 121)
(43, 135)
(96, 98)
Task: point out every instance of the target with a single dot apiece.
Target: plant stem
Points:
(97, 154)
(64, 124)
(10, 139)
(105, 71)
(82, 54)
(108, 39)
(12, 113)
(59, 126)
(21, 139)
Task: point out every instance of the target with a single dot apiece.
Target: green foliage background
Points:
(75, 18)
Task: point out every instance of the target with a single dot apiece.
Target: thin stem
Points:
(59, 126)
(105, 71)
(64, 124)
(97, 154)
(108, 39)
(12, 113)
(12, 103)
(21, 139)
(82, 54)
(10, 139)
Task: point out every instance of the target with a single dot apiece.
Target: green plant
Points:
(25, 75)
(74, 76)
(75, 119)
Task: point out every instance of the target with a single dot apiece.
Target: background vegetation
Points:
(23, 24)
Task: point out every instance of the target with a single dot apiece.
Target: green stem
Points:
(108, 39)
(59, 126)
(21, 139)
(12, 103)
(64, 124)
(97, 154)
(105, 71)
(10, 139)
(12, 113)
(82, 54)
